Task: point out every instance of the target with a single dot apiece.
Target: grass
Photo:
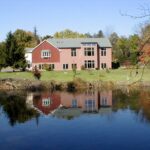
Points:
(87, 75)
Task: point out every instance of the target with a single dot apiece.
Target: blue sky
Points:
(83, 16)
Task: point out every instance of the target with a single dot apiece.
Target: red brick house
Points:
(64, 54)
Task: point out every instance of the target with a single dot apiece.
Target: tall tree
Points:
(37, 38)
(2, 55)
(113, 40)
(145, 44)
(25, 38)
(46, 37)
(100, 34)
(15, 54)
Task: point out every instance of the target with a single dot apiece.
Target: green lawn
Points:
(94, 75)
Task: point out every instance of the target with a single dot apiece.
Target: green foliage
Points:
(77, 83)
(26, 38)
(74, 69)
(100, 34)
(125, 50)
(48, 67)
(68, 34)
(14, 106)
(46, 37)
(36, 37)
(15, 54)
(2, 55)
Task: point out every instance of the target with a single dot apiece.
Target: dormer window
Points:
(45, 53)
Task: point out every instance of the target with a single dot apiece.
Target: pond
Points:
(107, 119)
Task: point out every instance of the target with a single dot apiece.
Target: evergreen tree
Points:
(99, 34)
(37, 38)
(2, 55)
(15, 54)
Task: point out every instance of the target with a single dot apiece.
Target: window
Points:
(46, 102)
(74, 103)
(45, 54)
(89, 64)
(104, 101)
(89, 44)
(103, 51)
(65, 66)
(90, 105)
(103, 65)
(89, 51)
(28, 66)
(73, 52)
(89, 92)
(51, 66)
(74, 66)
(40, 66)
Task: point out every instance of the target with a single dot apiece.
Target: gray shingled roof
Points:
(70, 43)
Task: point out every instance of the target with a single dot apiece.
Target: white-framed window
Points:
(89, 51)
(90, 105)
(45, 53)
(73, 52)
(103, 65)
(103, 101)
(74, 66)
(46, 102)
(65, 66)
(89, 64)
(103, 51)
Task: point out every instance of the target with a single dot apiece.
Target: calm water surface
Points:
(98, 120)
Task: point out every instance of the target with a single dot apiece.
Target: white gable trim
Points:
(42, 43)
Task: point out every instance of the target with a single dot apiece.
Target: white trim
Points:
(42, 43)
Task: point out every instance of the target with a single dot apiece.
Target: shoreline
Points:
(75, 85)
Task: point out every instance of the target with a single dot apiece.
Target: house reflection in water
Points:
(70, 105)
(45, 103)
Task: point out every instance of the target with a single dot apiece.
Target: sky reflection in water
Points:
(117, 119)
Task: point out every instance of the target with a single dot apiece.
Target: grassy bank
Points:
(118, 75)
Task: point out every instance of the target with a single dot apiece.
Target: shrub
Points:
(107, 70)
(36, 73)
(74, 69)
(48, 67)
(77, 83)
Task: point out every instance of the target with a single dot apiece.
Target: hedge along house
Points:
(65, 54)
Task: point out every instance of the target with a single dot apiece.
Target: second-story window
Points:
(103, 51)
(45, 54)
(73, 52)
(89, 51)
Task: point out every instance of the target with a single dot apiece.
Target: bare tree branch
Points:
(144, 13)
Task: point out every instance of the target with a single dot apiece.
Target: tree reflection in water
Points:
(15, 108)
(137, 101)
